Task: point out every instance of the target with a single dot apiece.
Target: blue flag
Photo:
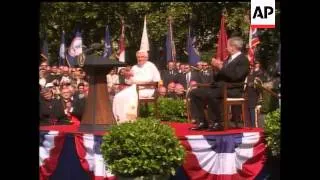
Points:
(170, 47)
(62, 51)
(193, 54)
(75, 50)
(107, 44)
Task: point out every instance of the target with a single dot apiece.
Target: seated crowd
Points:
(64, 90)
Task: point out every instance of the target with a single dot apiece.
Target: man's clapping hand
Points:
(217, 63)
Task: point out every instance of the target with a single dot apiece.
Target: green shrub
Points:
(168, 110)
(269, 103)
(144, 147)
(272, 130)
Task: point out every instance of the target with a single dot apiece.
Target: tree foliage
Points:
(92, 17)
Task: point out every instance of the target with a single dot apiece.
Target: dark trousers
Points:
(199, 98)
(252, 116)
(213, 97)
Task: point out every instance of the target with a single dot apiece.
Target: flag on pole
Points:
(122, 46)
(144, 40)
(107, 44)
(222, 52)
(253, 42)
(62, 53)
(74, 50)
(170, 47)
(193, 53)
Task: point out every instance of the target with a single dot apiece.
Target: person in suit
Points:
(46, 103)
(169, 75)
(206, 75)
(63, 110)
(171, 87)
(53, 75)
(187, 76)
(253, 92)
(234, 70)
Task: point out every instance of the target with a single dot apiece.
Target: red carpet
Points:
(181, 129)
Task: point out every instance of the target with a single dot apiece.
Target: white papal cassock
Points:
(125, 103)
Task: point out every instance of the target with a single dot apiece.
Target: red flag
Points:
(122, 44)
(253, 42)
(222, 52)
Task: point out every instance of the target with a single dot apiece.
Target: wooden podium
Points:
(98, 114)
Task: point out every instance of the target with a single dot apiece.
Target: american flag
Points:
(253, 42)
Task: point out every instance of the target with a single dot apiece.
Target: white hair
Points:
(236, 42)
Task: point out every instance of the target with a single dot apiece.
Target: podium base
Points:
(93, 128)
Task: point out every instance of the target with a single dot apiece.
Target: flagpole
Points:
(68, 61)
(171, 40)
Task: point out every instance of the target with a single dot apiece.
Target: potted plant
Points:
(144, 149)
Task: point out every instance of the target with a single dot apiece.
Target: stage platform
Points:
(181, 129)
(67, 154)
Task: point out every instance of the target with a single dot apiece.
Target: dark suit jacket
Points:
(46, 109)
(234, 72)
(206, 77)
(253, 93)
(78, 108)
(52, 77)
(167, 77)
(182, 79)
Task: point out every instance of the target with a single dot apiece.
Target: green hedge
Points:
(269, 103)
(272, 130)
(144, 147)
(168, 110)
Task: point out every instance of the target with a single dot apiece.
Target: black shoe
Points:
(200, 127)
(216, 127)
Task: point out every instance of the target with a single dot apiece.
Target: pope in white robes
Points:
(125, 102)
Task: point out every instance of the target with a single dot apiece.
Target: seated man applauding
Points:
(234, 70)
(126, 101)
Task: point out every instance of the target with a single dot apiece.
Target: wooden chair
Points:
(145, 100)
(242, 101)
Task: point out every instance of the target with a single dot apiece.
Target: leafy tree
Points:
(92, 17)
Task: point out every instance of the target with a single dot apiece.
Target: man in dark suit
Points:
(53, 75)
(234, 70)
(187, 76)
(206, 74)
(169, 75)
(255, 75)
(66, 106)
(46, 103)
